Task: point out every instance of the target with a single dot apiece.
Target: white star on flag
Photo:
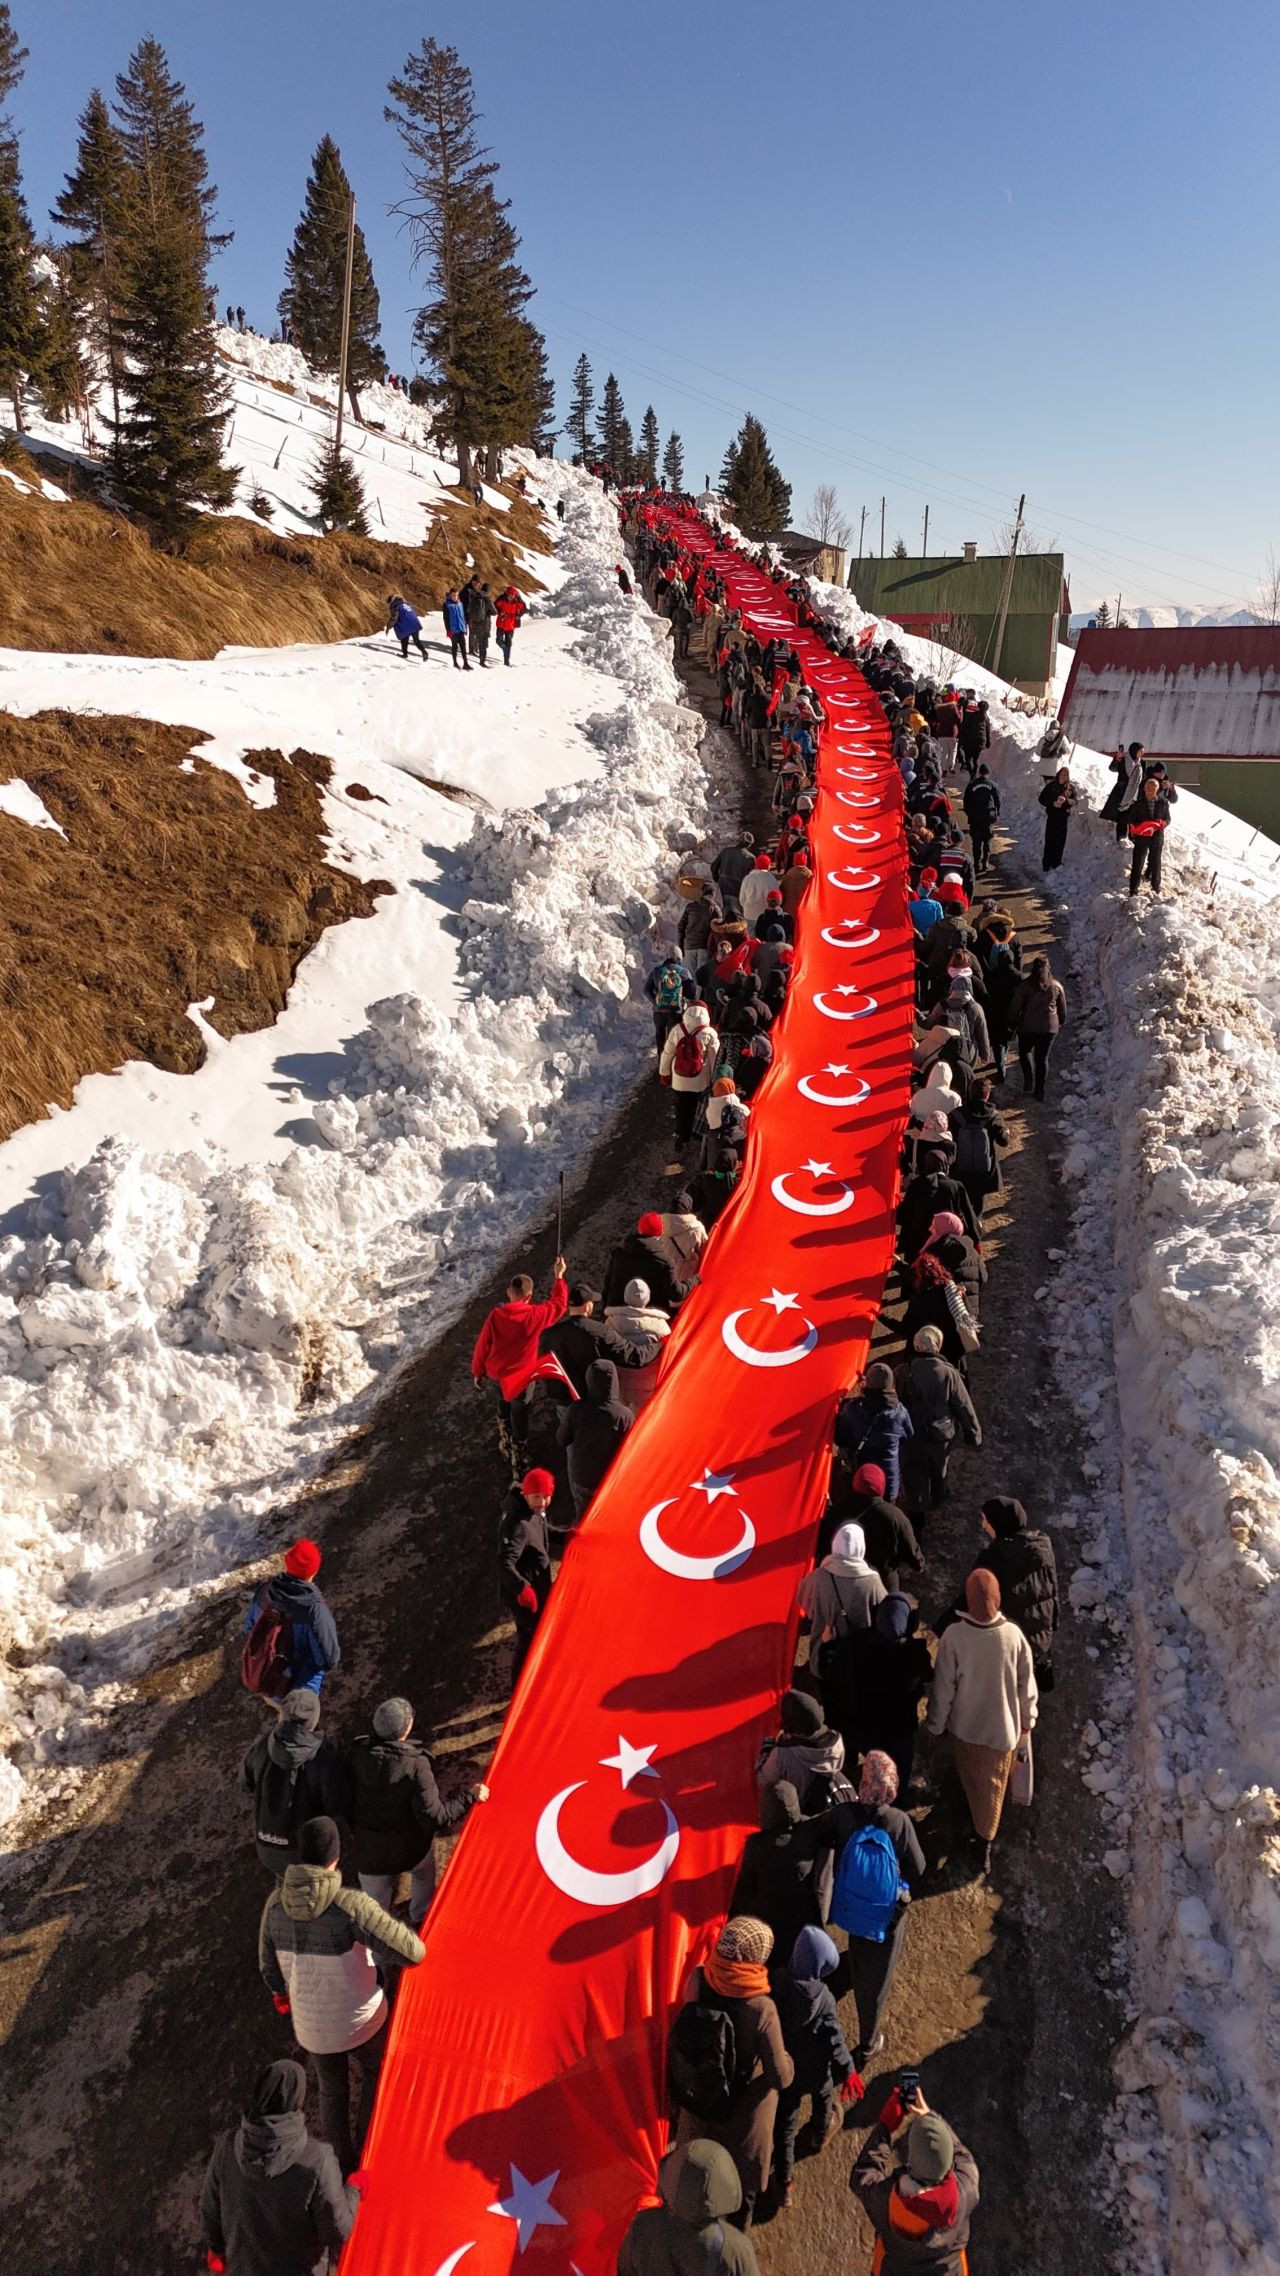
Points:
(529, 2205)
(780, 1302)
(850, 988)
(832, 1069)
(817, 1169)
(629, 1762)
(713, 1484)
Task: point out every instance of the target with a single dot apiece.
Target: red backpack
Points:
(265, 1658)
(688, 1056)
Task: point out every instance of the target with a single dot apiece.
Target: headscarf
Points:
(879, 1779)
(278, 2088)
(982, 1595)
(737, 1968)
(945, 1225)
(851, 1543)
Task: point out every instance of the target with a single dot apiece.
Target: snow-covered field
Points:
(1165, 1311)
(181, 1258)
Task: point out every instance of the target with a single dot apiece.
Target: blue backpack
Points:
(868, 1885)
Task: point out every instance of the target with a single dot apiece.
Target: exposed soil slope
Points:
(169, 888)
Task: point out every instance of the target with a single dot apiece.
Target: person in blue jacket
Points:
(313, 1638)
(455, 624)
(406, 625)
(871, 1425)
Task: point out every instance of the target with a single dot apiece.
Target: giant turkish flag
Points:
(521, 2113)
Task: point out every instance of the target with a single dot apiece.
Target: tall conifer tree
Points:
(647, 456)
(580, 424)
(673, 463)
(19, 300)
(315, 278)
(610, 443)
(750, 481)
(169, 440)
(93, 209)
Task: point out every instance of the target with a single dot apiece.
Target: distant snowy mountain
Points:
(1156, 619)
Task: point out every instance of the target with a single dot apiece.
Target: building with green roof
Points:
(954, 600)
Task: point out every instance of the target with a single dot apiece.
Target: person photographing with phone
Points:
(918, 2186)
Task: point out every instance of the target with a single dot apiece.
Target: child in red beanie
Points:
(291, 1642)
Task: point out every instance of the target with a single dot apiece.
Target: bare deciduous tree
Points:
(1266, 602)
(953, 641)
(1029, 542)
(826, 522)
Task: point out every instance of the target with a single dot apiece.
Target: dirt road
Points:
(128, 1992)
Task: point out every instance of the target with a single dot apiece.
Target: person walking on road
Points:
(510, 610)
(938, 1402)
(506, 1354)
(593, 1429)
(878, 1861)
(688, 1064)
(1057, 798)
(455, 625)
(524, 1558)
(396, 1810)
(984, 1697)
(274, 2202)
(694, 2229)
(746, 2064)
(406, 625)
(1037, 1013)
(293, 1774)
(320, 1948)
(291, 1643)
(982, 812)
(918, 2186)
(813, 2035)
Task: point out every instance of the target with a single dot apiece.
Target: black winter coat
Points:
(293, 1774)
(892, 1546)
(1027, 1571)
(811, 2030)
(396, 1807)
(925, 1198)
(640, 1258)
(874, 1695)
(593, 1430)
(576, 1342)
(274, 2202)
(978, 1131)
(524, 1557)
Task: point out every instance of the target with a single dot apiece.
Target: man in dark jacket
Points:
(524, 1558)
(575, 1341)
(694, 929)
(778, 1879)
(1148, 820)
(274, 2202)
(918, 2191)
(1023, 1562)
(814, 2038)
(937, 1400)
(641, 1256)
(982, 811)
(891, 1543)
(975, 734)
(693, 2232)
(396, 1810)
(730, 867)
(871, 1962)
(309, 1639)
(593, 1429)
(293, 1774)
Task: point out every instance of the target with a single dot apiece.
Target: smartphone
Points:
(909, 2085)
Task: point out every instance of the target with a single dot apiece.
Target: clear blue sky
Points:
(1031, 245)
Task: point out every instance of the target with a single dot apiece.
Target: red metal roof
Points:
(1202, 694)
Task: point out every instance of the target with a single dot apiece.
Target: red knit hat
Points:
(763, 861)
(538, 1482)
(650, 1225)
(870, 1479)
(303, 1560)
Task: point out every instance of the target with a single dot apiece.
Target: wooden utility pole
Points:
(862, 523)
(926, 533)
(346, 321)
(882, 529)
(1006, 593)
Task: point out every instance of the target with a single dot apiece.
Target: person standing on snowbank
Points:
(506, 1354)
(510, 609)
(455, 625)
(1057, 798)
(289, 1624)
(1148, 819)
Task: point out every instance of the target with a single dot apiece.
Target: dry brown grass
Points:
(81, 577)
(169, 888)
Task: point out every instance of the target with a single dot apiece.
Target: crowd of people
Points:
(768, 2052)
(470, 614)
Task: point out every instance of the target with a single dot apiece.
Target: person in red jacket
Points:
(510, 610)
(506, 1355)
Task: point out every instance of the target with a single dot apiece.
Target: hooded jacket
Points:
(274, 2202)
(908, 2241)
(778, 1880)
(872, 1427)
(814, 1765)
(593, 1430)
(292, 1774)
(1026, 1568)
(695, 1022)
(641, 1256)
(313, 1638)
(319, 1946)
(635, 1332)
(396, 1808)
(691, 2233)
(507, 1346)
(575, 1341)
(810, 2020)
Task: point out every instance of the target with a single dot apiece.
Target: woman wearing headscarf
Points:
(872, 1425)
(1057, 798)
(734, 1981)
(634, 1334)
(842, 1592)
(274, 2202)
(873, 1955)
(984, 1696)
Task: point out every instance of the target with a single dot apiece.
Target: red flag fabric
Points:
(546, 1368)
(522, 2111)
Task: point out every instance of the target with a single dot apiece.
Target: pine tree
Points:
(899, 549)
(751, 484)
(19, 299)
(472, 332)
(338, 491)
(673, 463)
(650, 442)
(580, 423)
(609, 444)
(169, 439)
(315, 278)
(93, 208)
(1103, 614)
(60, 373)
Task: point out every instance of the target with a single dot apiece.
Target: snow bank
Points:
(182, 1339)
(1165, 1313)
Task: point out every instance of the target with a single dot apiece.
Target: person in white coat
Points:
(688, 1063)
(984, 1695)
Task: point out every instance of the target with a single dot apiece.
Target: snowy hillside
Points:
(1167, 1321)
(181, 1255)
(1140, 617)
